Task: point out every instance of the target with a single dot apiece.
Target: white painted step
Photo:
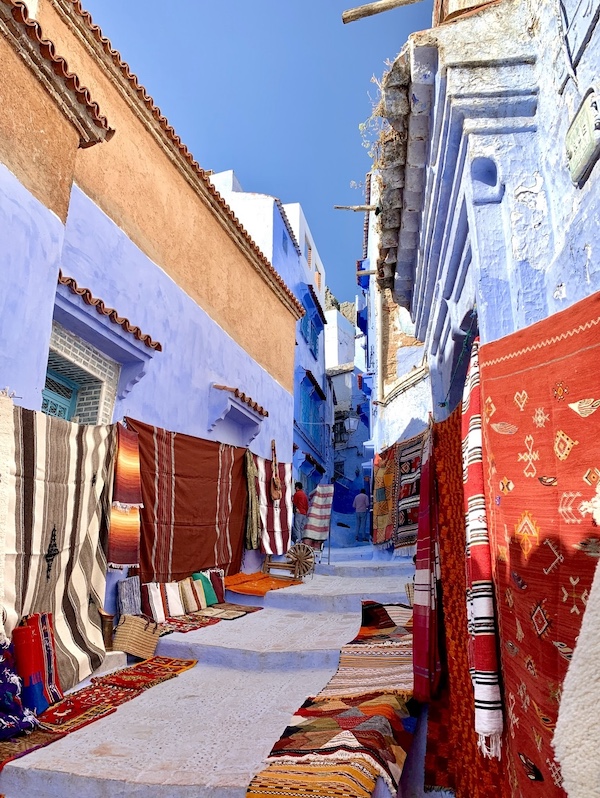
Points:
(267, 640)
(204, 733)
(367, 569)
(320, 593)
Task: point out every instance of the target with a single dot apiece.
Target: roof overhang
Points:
(74, 100)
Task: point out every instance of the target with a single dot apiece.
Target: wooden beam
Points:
(373, 8)
(354, 207)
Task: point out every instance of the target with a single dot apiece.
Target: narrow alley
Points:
(299, 486)
(208, 731)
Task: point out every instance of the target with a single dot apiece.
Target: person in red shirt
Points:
(300, 502)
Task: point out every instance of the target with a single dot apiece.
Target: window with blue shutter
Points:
(59, 396)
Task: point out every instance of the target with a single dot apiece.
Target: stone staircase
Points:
(207, 732)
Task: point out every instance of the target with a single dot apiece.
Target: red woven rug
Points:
(453, 758)
(195, 497)
(541, 393)
(145, 674)
(84, 706)
(101, 698)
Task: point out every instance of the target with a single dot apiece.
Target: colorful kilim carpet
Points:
(453, 758)
(377, 729)
(225, 611)
(145, 674)
(379, 659)
(84, 706)
(426, 654)
(257, 584)
(343, 780)
(481, 610)
(540, 396)
(186, 623)
(385, 492)
(381, 666)
(380, 621)
(409, 481)
(101, 698)
(124, 533)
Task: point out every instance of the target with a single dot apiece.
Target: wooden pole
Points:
(373, 8)
(354, 208)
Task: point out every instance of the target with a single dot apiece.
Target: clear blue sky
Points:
(274, 89)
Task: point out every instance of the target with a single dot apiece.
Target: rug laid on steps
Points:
(226, 611)
(540, 400)
(185, 623)
(257, 584)
(382, 667)
(380, 658)
(101, 698)
(375, 729)
(379, 621)
(341, 780)
(147, 673)
(453, 759)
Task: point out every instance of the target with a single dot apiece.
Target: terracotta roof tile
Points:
(170, 133)
(244, 398)
(112, 314)
(15, 16)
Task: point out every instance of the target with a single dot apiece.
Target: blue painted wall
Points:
(32, 238)
(169, 388)
(504, 232)
(262, 217)
(174, 392)
(357, 472)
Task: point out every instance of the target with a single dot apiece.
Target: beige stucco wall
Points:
(37, 143)
(134, 181)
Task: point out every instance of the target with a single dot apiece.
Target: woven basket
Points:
(136, 635)
(410, 592)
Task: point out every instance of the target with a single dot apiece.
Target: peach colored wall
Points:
(134, 182)
(37, 143)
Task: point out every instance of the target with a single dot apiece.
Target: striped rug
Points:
(319, 513)
(373, 668)
(57, 476)
(275, 517)
(380, 658)
(195, 496)
(124, 533)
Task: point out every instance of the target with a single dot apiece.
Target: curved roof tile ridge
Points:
(60, 67)
(112, 314)
(243, 398)
(169, 131)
